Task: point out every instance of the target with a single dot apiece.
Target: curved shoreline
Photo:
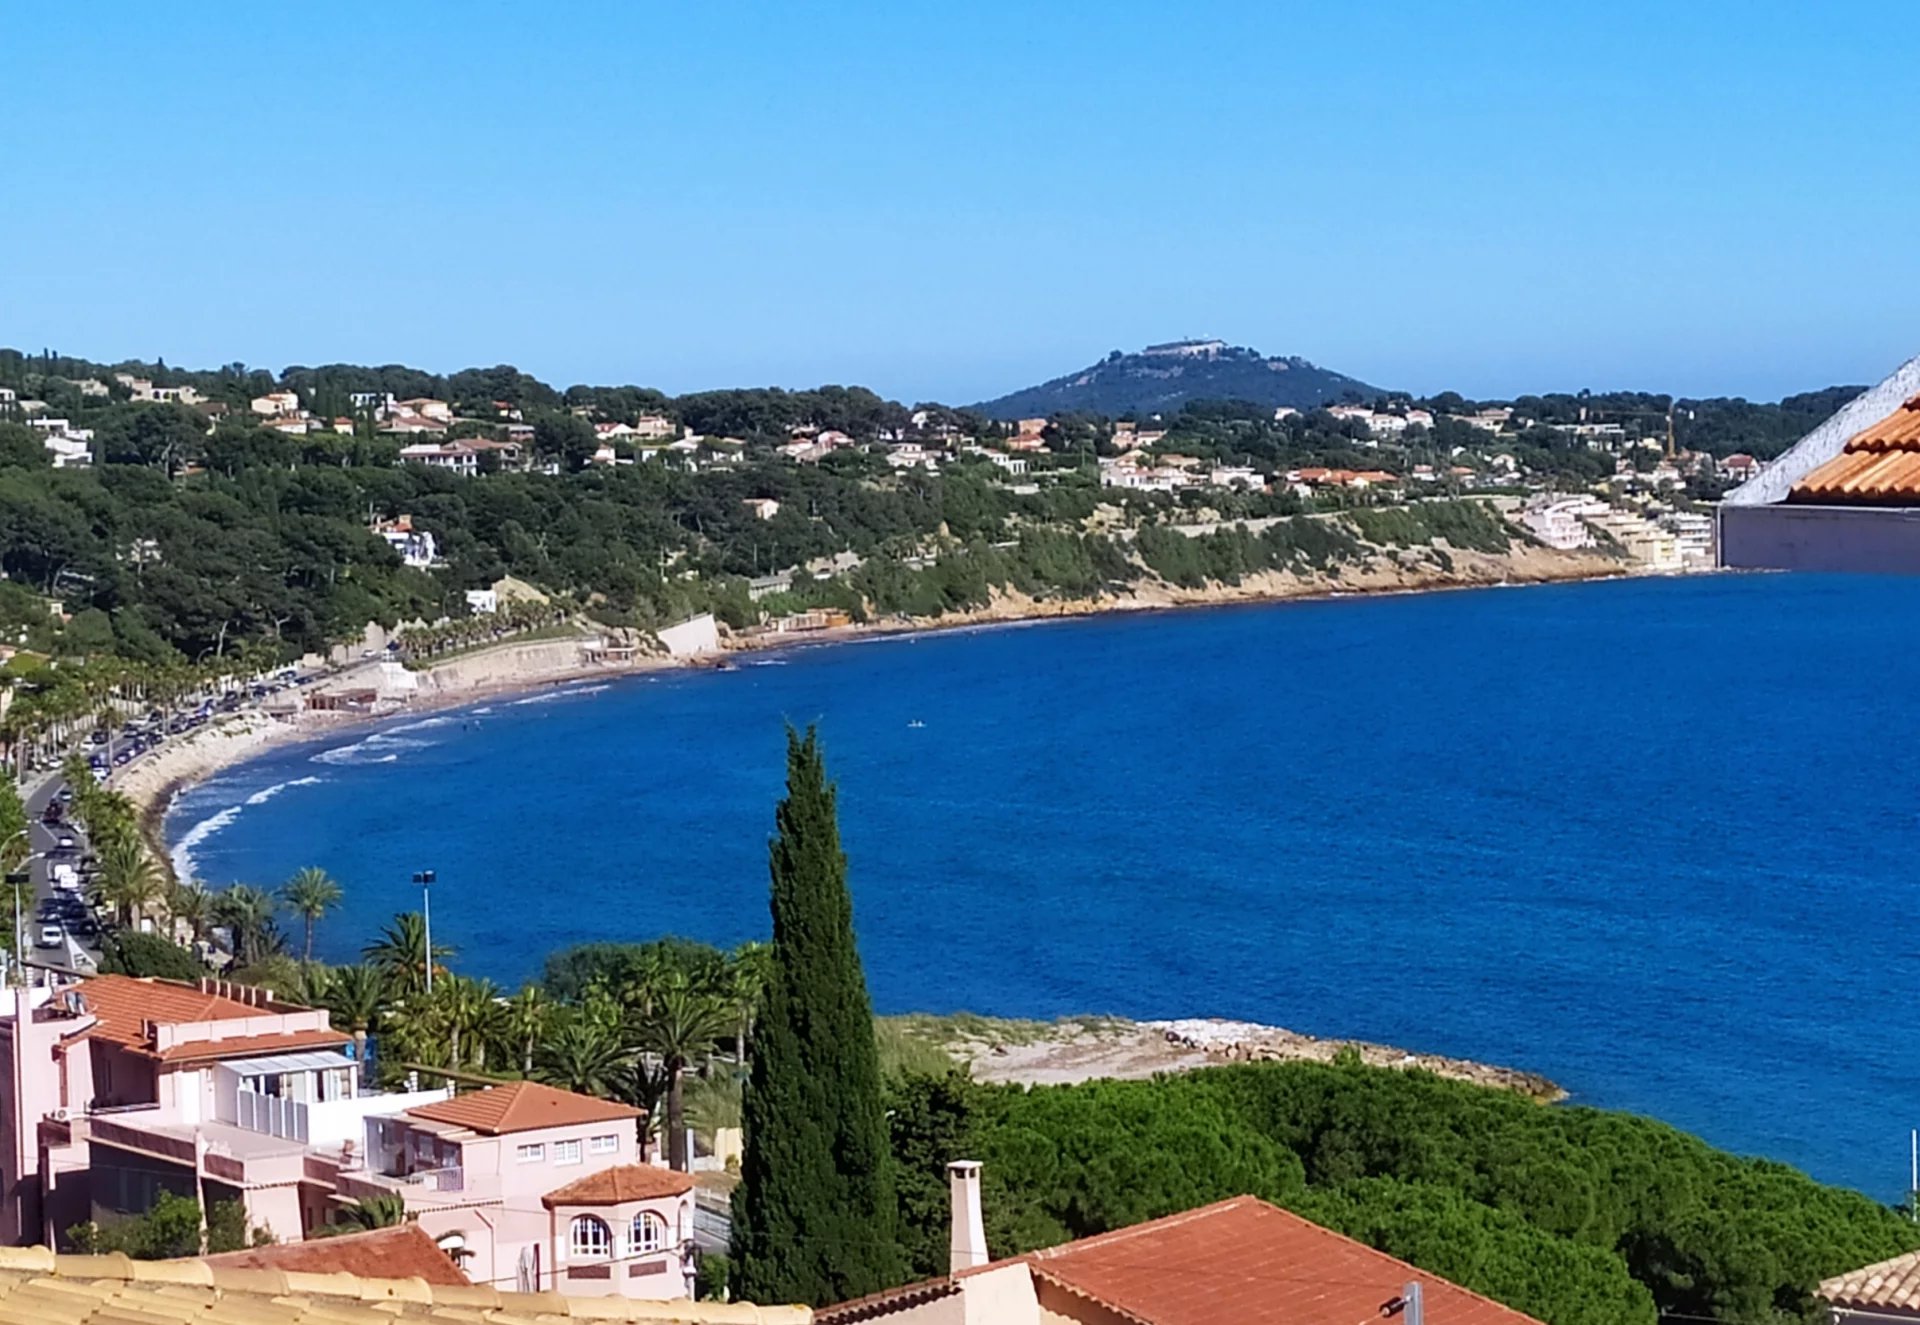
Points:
(153, 783)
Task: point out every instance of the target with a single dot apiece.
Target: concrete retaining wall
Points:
(1821, 538)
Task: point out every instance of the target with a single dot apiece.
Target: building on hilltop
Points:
(417, 547)
(276, 405)
(1846, 497)
(1186, 349)
(1240, 1260)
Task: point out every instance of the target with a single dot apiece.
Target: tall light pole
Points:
(424, 878)
(14, 886)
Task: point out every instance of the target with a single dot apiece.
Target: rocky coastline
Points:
(1076, 1049)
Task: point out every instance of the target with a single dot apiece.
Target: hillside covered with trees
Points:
(199, 529)
(1163, 378)
(1576, 1216)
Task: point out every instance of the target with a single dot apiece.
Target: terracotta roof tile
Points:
(406, 1251)
(36, 1286)
(124, 1004)
(1241, 1260)
(522, 1106)
(617, 1186)
(1887, 1286)
(1880, 465)
(249, 1046)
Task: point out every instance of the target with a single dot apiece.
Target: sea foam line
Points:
(548, 696)
(380, 748)
(182, 853)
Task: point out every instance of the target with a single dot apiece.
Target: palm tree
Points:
(190, 903)
(356, 996)
(128, 880)
(310, 894)
(381, 1210)
(401, 953)
(684, 1020)
(524, 1020)
(746, 978)
(466, 1009)
(584, 1055)
(248, 914)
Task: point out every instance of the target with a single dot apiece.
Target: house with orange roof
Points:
(1846, 497)
(404, 1251)
(1240, 1260)
(118, 1089)
(537, 1189)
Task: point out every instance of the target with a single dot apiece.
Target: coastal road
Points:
(45, 838)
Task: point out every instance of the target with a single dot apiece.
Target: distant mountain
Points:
(1162, 378)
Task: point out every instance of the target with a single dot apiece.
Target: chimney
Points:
(969, 1231)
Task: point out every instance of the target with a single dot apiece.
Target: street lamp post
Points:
(424, 879)
(19, 933)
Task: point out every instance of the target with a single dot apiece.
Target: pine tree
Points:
(814, 1216)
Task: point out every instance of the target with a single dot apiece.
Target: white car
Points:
(51, 936)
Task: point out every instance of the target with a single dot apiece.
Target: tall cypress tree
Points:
(814, 1216)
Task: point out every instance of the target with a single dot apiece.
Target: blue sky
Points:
(948, 202)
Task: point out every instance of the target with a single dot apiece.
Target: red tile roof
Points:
(1879, 466)
(405, 1251)
(522, 1106)
(1240, 1260)
(629, 1182)
(1890, 1286)
(124, 1004)
(250, 1046)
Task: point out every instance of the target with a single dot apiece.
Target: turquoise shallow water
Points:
(1655, 839)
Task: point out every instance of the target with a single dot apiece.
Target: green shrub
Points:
(126, 952)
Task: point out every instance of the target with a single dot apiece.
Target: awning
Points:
(313, 1060)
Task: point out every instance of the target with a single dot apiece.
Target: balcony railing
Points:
(270, 1115)
(450, 1179)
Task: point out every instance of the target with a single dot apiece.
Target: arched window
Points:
(588, 1239)
(649, 1232)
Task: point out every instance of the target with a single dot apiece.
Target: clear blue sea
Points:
(1655, 839)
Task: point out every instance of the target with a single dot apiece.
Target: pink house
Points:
(117, 1089)
(536, 1188)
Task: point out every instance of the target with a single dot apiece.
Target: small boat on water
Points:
(916, 723)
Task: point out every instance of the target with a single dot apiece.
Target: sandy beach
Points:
(511, 668)
(152, 782)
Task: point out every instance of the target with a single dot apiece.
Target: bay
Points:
(1654, 838)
